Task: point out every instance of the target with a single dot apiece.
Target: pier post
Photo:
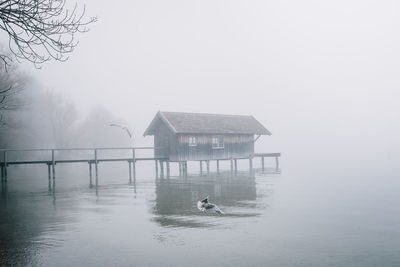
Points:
(49, 174)
(90, 175)
(162, 168)
(156, 163)
(96, 170)
(180, 168)
(236, 166)
(48, 171)
(231, 166)
(53, 161)
(184, 169)
(130, 172)
(201, 167)
(262, 163)
(217, 166)
(134, 164)
(2, 173)
(168, 169)
(208, 167)
(5, 166)
(54, 191)
(276, 163)
(251, 164)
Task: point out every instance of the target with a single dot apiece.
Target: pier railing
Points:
(37, 156)
(93, 156)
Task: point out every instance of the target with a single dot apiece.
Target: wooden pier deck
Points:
(52, 157)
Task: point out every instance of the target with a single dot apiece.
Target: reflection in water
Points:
(175, 203)
(40, 218)
(20, 224)
(313, 222)
(54, 191)
(27, 220)
(4, 194)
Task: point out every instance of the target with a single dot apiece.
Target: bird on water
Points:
(204, 205)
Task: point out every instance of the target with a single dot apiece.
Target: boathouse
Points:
(182, 136)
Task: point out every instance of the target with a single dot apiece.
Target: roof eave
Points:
(148, 130)
(159, 115)
(167, 122)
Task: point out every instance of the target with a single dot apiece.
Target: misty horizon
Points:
(322, 77)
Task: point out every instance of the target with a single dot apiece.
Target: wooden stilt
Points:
(208, 167)
(162, 168)
(156, 163)
(90, 175)
(54, 191)
(201, 167)
(130, 172)
(168, 169)
(184, 169)
(2, 173)
(251, 164)
(236, 168)
(96, 170)
(180, 169)
(49, 176)
(276, 163)
(262, 163)
(217, 166)
(5, 166)
(231, 166)
(134, 164)
(48, 171)
(53, 160)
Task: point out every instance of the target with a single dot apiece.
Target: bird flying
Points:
(123, 127)
(204, 205)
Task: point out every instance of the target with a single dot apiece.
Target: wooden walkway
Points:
(53, 158)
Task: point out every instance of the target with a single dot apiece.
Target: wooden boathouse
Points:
(178, 137)
(182, 137)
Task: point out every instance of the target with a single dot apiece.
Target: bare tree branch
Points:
(41, 30)
(11, 84)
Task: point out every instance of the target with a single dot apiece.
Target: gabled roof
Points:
(202, 123)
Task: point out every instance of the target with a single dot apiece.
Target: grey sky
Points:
(318, 74)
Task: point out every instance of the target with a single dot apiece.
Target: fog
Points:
(322, 76)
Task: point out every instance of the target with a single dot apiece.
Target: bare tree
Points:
(40, 30)
(11, 84)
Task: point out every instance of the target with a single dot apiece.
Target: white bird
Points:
(123, 127)
(204, 205)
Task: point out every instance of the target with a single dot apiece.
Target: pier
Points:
(52, 157)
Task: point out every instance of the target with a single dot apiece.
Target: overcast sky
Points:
(315, 73)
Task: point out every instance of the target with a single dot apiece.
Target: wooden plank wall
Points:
(176, 146)
(163, 138)
(235, 146)
(207, 139)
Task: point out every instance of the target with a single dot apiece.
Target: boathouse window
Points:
(218, 142)
(192, 141)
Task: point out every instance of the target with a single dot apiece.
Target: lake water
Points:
(327, 216)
